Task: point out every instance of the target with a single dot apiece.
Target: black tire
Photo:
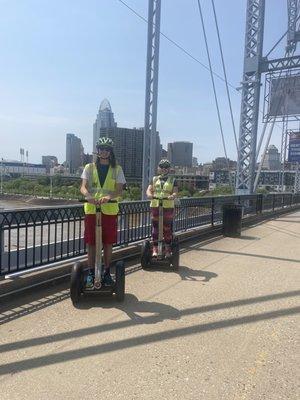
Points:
(175, 254)
(76, 283)
(120, 280)
(146, 254)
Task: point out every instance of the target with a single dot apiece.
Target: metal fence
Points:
(36, 237)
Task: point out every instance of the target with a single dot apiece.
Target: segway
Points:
(147, 259)
(79, 275)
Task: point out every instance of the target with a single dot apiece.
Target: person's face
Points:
(164, 171)
(104, 152)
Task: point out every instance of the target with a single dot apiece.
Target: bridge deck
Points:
(224, 327)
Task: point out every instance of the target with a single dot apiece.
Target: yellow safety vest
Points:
(163, 190)
(98, 191)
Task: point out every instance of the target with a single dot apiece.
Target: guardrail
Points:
(35, 237)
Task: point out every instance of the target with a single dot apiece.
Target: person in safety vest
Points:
(164, 186)
(102, 180)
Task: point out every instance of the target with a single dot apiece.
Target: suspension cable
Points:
(225, 74)
(213, 82)
(177, 45)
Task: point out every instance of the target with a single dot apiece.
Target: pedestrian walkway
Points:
(225, 326)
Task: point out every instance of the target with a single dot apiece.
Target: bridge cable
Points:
(177, 45)
(225, 74)
(213, 83)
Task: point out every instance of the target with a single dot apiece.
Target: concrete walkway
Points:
(226, 326)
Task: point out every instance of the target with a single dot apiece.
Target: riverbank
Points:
(17, 201)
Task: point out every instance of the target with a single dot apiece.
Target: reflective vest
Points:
(98, 191)
(162, 189)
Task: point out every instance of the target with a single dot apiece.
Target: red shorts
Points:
(109, 229)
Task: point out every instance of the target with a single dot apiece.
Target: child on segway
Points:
(163, 186)
(102, 181)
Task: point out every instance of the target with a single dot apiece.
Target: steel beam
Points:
(292, 8)
(250, 96)
(279, 64)
(154, 9)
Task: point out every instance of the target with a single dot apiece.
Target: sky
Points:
(61, 58)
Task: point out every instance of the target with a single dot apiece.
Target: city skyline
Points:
(53, 81)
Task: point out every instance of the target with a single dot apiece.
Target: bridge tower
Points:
(254, 66)
(154, 7)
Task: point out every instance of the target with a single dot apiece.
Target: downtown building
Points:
(74, 153)
(128, 143)
(105, 119)
(180, 154)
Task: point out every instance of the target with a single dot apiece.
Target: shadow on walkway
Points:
(189, 274)
(133, 307)
(133, 342)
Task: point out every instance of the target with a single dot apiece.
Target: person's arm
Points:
(150, 192)
(85, 191)
(175, 192)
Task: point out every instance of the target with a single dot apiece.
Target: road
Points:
(225, 326)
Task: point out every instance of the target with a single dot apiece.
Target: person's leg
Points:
(168, 231)
(109, 237)
(107, 250)
(89, 239)
(154, 219)
(91, 255)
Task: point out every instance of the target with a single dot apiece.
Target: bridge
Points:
(223, 326)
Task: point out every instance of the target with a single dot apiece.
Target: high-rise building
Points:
(49, 162)
(74, 153)
(272, 159)
(195, 162)
(180, 154)
(105, 119)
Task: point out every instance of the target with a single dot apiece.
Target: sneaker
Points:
(154, 251)
(89, 281)
(107, 279)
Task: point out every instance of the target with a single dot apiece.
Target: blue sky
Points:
(59, 59)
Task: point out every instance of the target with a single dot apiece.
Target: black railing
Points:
(36, 237)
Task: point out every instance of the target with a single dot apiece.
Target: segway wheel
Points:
(175, 255)
(120, 280)
(146, 254)
(76, 283)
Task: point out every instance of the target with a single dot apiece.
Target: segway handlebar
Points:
(86, 201)
(160, 198)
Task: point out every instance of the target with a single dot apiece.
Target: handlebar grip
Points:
(86, 201)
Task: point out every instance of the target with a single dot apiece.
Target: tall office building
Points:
(74, 153)
(180, 154)
(272, 159)
(128, 148)
(105, 119)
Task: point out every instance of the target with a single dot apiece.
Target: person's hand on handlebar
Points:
(171, 197)
(104, 199)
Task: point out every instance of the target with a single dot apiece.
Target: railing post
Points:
(212, 211)
(273, 202)
(259, 203)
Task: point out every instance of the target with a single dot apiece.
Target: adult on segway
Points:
(162, 191)
(102, 182)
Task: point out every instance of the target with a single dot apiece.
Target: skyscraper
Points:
(272, 159)
(105, 119)
(180, 154)
(74, 153)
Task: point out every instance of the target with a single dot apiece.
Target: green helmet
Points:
(164, 163)
(105, 141)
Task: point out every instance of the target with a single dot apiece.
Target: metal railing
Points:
(35, 237)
